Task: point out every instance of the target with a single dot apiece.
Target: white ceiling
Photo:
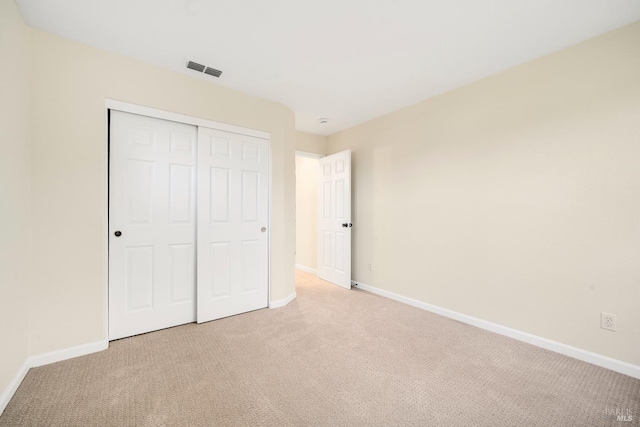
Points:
(348, 60)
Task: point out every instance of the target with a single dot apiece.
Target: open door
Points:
(334, 219)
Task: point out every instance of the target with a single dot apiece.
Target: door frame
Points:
(309, 154)
(112, 104)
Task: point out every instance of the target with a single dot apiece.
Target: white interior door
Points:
(233, 215)
(334, 219)
(151, 224)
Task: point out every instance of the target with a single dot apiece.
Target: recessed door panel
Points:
(340, 208)
(182, 143)
(140, 136)
(219, 198)
(181, 194)
(326, 249)
(250, 151)
(219, 146)
(250, 253)
(220, 263)
(339, 248)
(250, 196)
(140, 181)
(139, 279)
(182, 272)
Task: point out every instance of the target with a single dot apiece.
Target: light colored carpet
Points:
(330, 358)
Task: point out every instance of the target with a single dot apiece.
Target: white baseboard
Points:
(307, 269)
(67, 353)
(8, 393)
(567, 350)
(282, 302)
(45, 359)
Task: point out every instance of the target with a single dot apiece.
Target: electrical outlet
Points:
(608, 321)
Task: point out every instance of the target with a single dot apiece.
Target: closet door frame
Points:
(111, 104)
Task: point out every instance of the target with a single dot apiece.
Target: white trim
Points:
(45, 359)
(106, 231)
(175, 117)
(11, 389)
(309, 154)
(282, 302)
(567, 350)
(307, 269)
(269, 221)
(67, 353)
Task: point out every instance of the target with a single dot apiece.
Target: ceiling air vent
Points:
(195, 66)
(202, 68)
(213, 72)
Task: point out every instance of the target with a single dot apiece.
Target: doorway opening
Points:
(323, 216)
(307, 182)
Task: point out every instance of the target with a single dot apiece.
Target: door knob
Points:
(118, 233)
(263, 229)
(345, 225)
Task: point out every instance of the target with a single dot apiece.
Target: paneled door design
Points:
(233, 244)
(152, 212)
(334, 219)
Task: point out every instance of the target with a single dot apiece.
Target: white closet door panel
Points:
(233, 186)
(152, 204)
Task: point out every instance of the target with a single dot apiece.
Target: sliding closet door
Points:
(233, 187)
(152, 209)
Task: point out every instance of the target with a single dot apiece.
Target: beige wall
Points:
(311, 143)
(515, 199)
(14, 192)
(307, 212)
(70, 82)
